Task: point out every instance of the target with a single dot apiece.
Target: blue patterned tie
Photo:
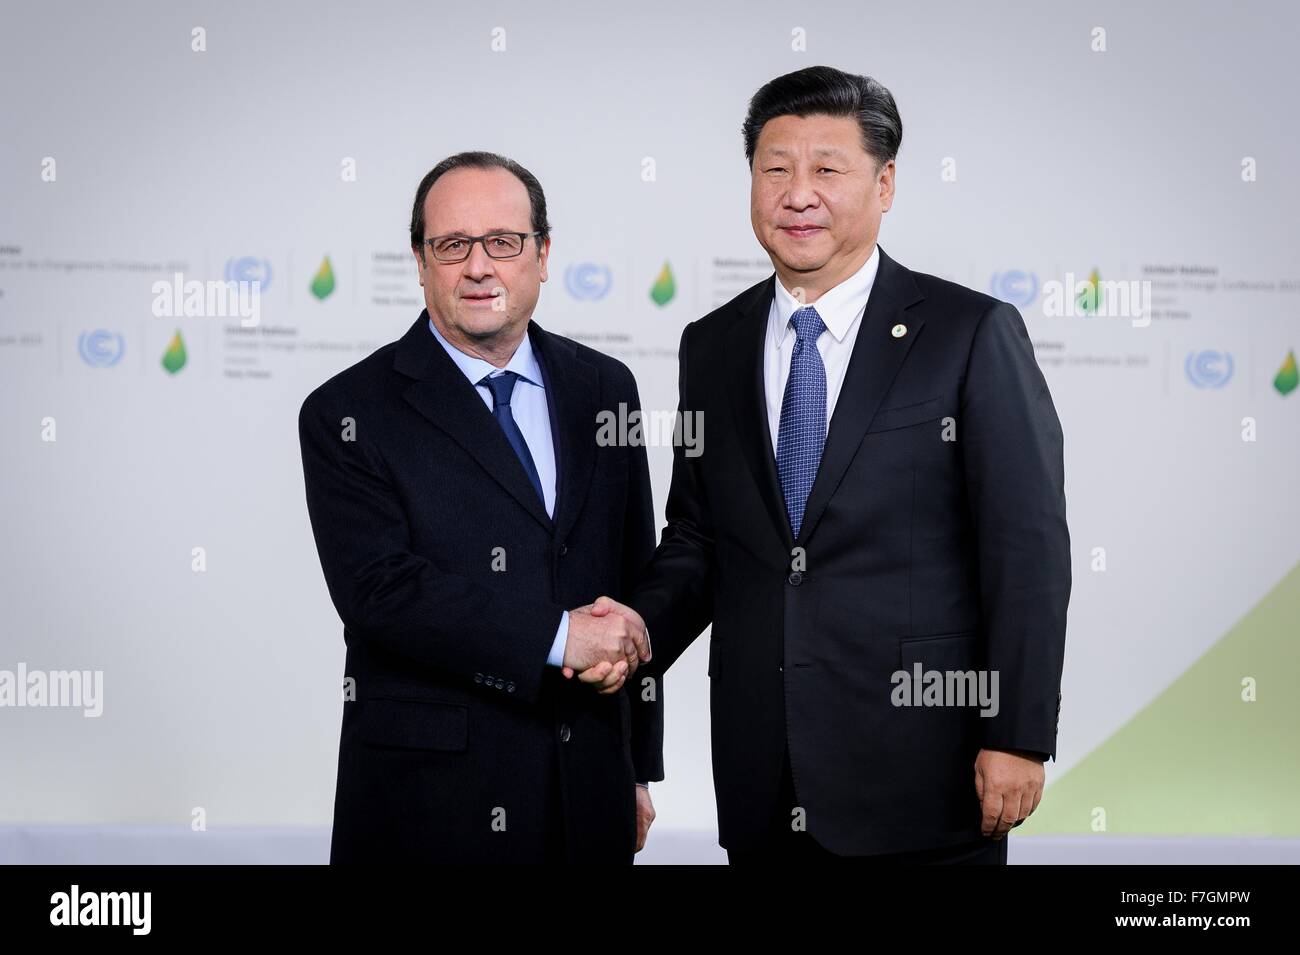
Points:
(802, 432)
(502, 386)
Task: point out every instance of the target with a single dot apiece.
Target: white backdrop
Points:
(128, 156)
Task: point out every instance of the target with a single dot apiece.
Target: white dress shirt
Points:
(841, 311)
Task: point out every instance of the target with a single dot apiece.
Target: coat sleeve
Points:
(646, 688)
(675, 596)
(1013, 456)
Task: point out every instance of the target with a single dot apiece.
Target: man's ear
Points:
(417, 251)
(887, 186)
(543, 253)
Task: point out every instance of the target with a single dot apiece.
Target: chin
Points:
(481, 322)
(802, 260)
(802, 254)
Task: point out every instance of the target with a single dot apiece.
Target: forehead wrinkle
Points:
(488, 231)
(818, 151)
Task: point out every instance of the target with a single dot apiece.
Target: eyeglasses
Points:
(498, 245)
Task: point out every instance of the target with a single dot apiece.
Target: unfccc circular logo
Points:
(587, 281)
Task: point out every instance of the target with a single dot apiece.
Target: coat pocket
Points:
(941, 651)
(888, 419)
(415, 724)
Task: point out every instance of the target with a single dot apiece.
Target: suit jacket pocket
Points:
(415, 724)
(887, 419)
(941, 651)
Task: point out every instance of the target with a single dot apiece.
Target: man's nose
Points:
(479, 263)
(801, 193)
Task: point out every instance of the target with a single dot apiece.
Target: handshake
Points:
(606, 642)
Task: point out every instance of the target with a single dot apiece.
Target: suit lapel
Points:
(749, 404)
(877, 356)
(572, 393)
(443, 395)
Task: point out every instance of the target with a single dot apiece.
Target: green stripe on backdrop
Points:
(1198, 760)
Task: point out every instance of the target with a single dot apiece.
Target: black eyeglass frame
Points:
(471, 239)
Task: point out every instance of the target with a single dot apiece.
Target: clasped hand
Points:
(607, 640)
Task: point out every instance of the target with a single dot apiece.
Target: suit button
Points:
(564, 549)
(501, 684)
(564, 732)
(795, 578)
(478, 677)
(510, 687)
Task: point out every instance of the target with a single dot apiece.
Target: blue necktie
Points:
(801, 434)
(502, 386)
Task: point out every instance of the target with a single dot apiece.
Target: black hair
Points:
(480, 160)
(824, 90)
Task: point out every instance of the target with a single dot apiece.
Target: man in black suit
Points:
(881, 497)
(460, 503)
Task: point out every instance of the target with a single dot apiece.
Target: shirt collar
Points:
(523, 362)
(838, 307)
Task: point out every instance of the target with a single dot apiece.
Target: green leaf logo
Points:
(323, 284)
(173, 358)
(1287, 376)
(1090, 293)
(665, 286)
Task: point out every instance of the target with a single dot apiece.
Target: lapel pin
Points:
(899, 331)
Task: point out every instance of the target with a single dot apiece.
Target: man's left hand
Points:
(1009, 787)
(645, 814)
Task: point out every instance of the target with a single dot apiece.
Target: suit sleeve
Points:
(1013, 456)
(395, 599)
(647, 705)
(675, 596)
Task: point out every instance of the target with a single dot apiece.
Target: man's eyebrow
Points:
(491, 229)
(781, 151)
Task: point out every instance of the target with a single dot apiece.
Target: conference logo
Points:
(1015, 287)
(1089, 294)
(100, 348)
(322, 283)
(1209, 368)
(665, 286)
(1288, 376)
(587, 281)
(250, 269)
(174, 358)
